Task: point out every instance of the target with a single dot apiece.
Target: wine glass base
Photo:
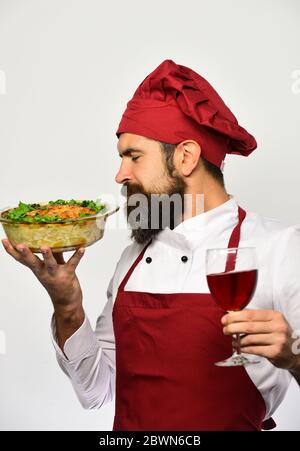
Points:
(237, 360)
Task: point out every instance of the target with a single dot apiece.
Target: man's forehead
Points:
(130, 141)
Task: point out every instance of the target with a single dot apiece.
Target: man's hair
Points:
(214, 171)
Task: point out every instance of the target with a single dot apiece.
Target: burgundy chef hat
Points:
(174, 103)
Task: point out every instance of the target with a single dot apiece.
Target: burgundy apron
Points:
(166, 346)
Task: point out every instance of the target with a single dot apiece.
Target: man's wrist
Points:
(295, 368)
(70, 313)
(68, 321)
(295, 372)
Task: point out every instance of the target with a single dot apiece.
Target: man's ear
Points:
(189, 152)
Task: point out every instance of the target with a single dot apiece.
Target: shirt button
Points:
(184, 259)
(148, 259)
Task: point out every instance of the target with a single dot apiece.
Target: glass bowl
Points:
(65, 235)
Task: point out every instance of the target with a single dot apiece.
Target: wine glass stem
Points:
(238, 347)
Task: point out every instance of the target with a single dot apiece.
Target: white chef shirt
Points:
(91, 354)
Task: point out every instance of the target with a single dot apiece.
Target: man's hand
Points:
(268, 334)
(60, 281)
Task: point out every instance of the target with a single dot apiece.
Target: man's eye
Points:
(134, 158)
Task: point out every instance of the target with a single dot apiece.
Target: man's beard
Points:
(150, 212)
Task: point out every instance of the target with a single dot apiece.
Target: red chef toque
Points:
(174, 103)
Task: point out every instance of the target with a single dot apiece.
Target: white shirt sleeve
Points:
(90, 362)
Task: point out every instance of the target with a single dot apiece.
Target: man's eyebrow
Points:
(129, 151)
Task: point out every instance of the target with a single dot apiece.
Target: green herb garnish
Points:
(19, 213)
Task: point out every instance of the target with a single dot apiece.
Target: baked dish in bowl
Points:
(63, 225)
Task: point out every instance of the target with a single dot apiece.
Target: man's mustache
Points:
(130, 189)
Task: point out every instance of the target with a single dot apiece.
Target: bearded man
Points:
(160, 333)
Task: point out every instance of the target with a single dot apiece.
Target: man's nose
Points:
(123, 174)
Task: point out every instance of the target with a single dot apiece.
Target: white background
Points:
(67, 70)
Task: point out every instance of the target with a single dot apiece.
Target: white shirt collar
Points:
(189, 232)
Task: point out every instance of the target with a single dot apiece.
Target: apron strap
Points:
(234, 240)
(131, 269)
(230, 266)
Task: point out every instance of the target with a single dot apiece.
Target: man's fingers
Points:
(11, 250)
(248, 315)
(75, 259)
(259, 327)
(22, 254)
(59, 257)
(256, 340)
(50, 262)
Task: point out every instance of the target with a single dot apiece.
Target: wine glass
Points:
(232, 277)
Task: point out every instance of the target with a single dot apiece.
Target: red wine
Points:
(232, 290)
